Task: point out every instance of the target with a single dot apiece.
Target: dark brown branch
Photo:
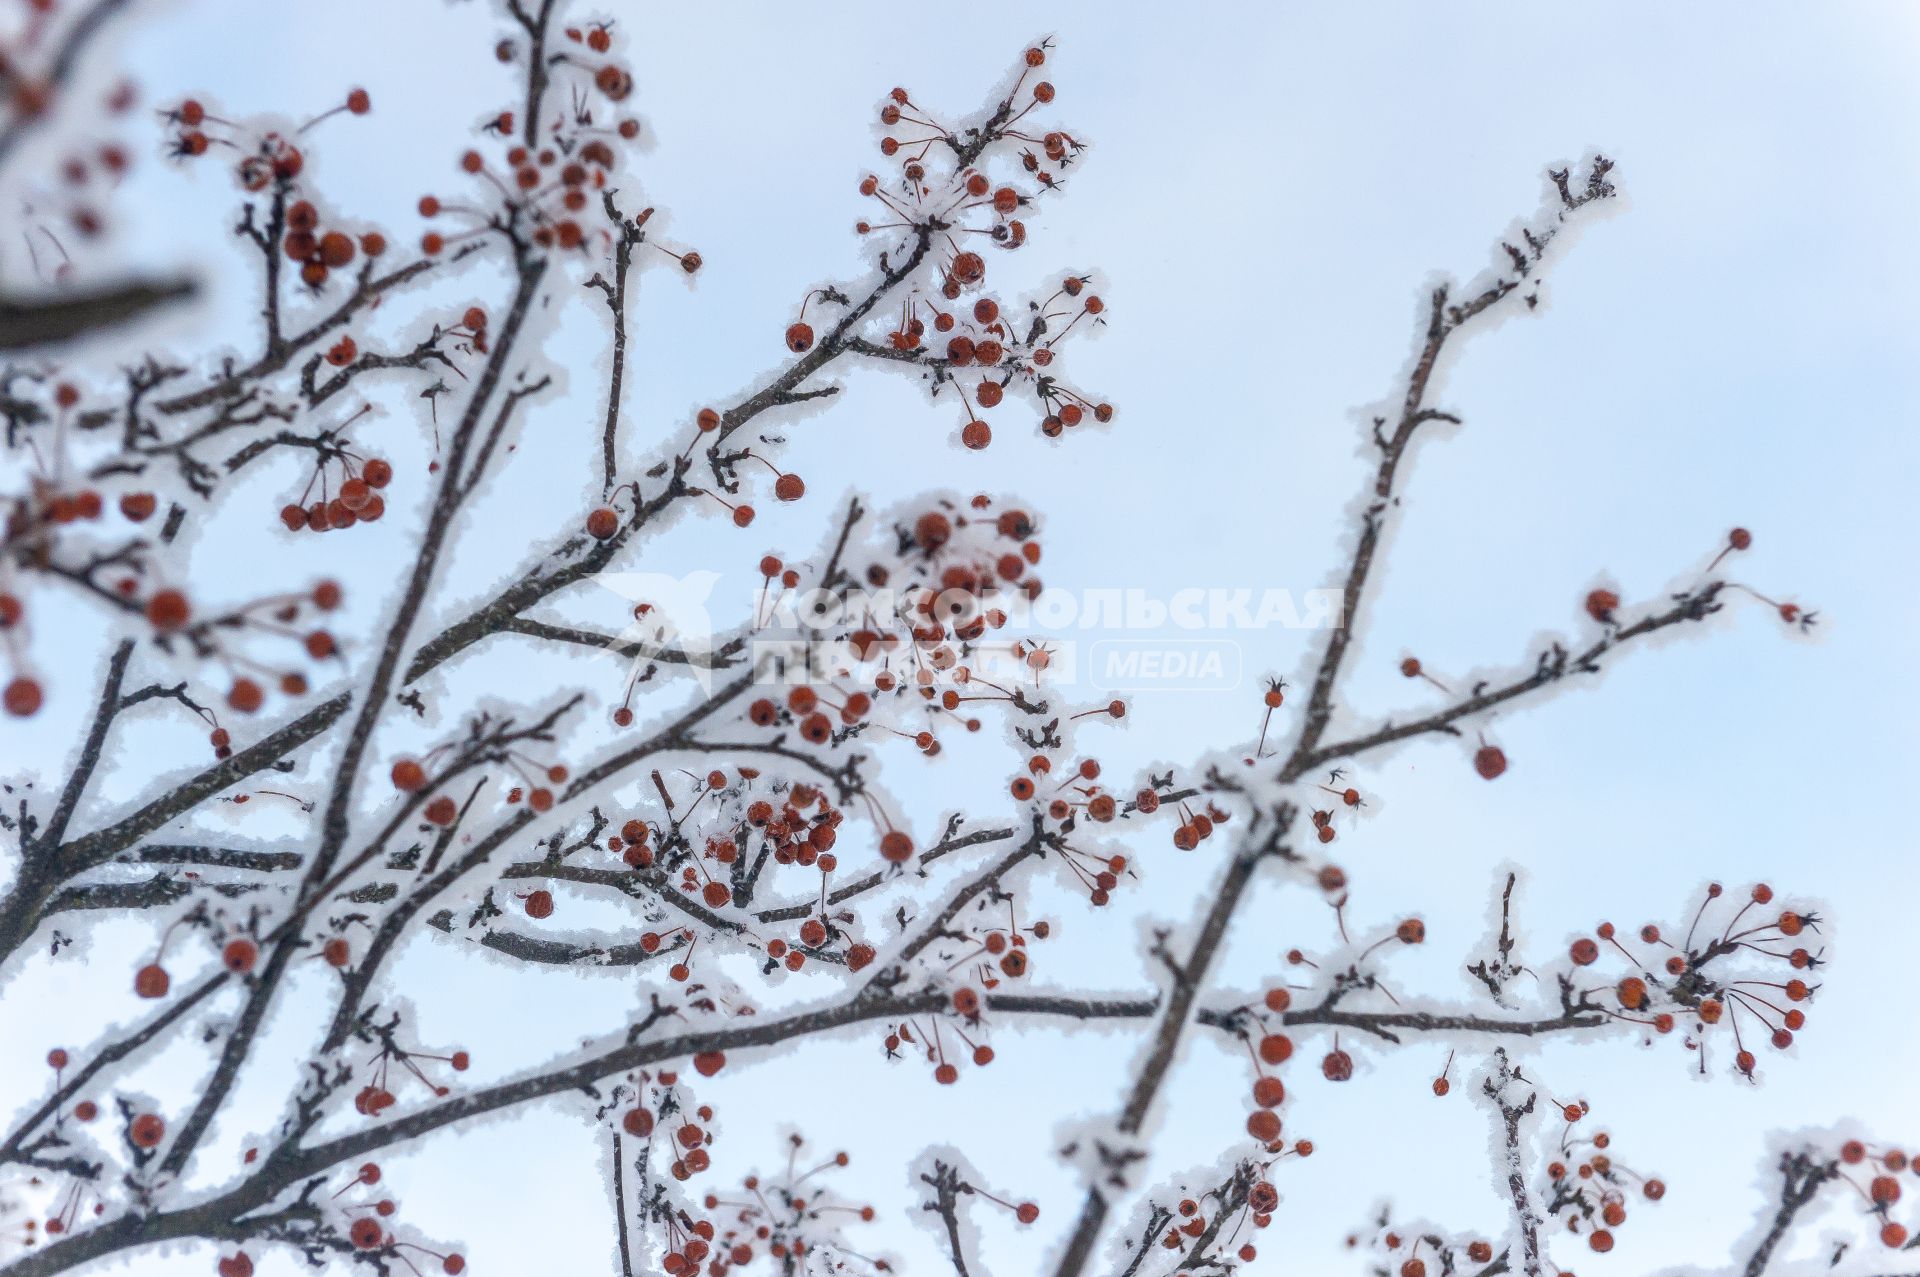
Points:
(555, 953)
(1443, 321)
(80, 1077)
(493, 617)
(105, 710)
(620, 1205)
(152, 893)
(268, 241)
(367, 290)
(1511, 1116)
(1801, 1176)
(41, 875)
(215, 857)
(290, 1164)
(512, 400)
(1550, 668)
(834, 343)
(540, 582)
(335, 821)
(388, 934)
(941, 922)
(947, 1187)
(318, 392)
(723, 657)
(1189, 975)
(536, 29)
(1383, 1023)
(627, 234)
(860, 886)
(76, 312)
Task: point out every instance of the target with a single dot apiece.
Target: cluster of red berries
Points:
(724, 818)
(79, 1197)
(1002, 951)
(268, 159)
(965, 185)
(1269, 1049)
(942, 570)
(815, 716)
(553, 187)
(1602, 604)
(940, 205)
(948, 558)
(52, 506)
(930, 1039)
(410, 776)
(1688, 988)
(916, 643)
(661, 1108)
(1097, 872)
(1350, 800)
(1337, 1064)
(939, 200)
(1081, 794)
(1187, 1221)
(80, 1193)
(172, 616)
(785, 1219)
(239, 952)
(1407, 1251)
(358, 501)
(550, 186)
(365, 1230)
(49, 500)
(1882, 1168)
(321, 250)
(1587, 1190)
(1195, 827)
(83, 170)
(46, 507)
(376, 1096)
(793, 824)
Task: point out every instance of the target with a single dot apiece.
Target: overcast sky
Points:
(1269, 191)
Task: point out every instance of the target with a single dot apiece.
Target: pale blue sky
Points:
(1269, 189)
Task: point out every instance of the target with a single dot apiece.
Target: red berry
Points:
(167, 610)
(23, 697)
(239, 956)
(146, 1131)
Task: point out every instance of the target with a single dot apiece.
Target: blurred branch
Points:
(28, 322)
